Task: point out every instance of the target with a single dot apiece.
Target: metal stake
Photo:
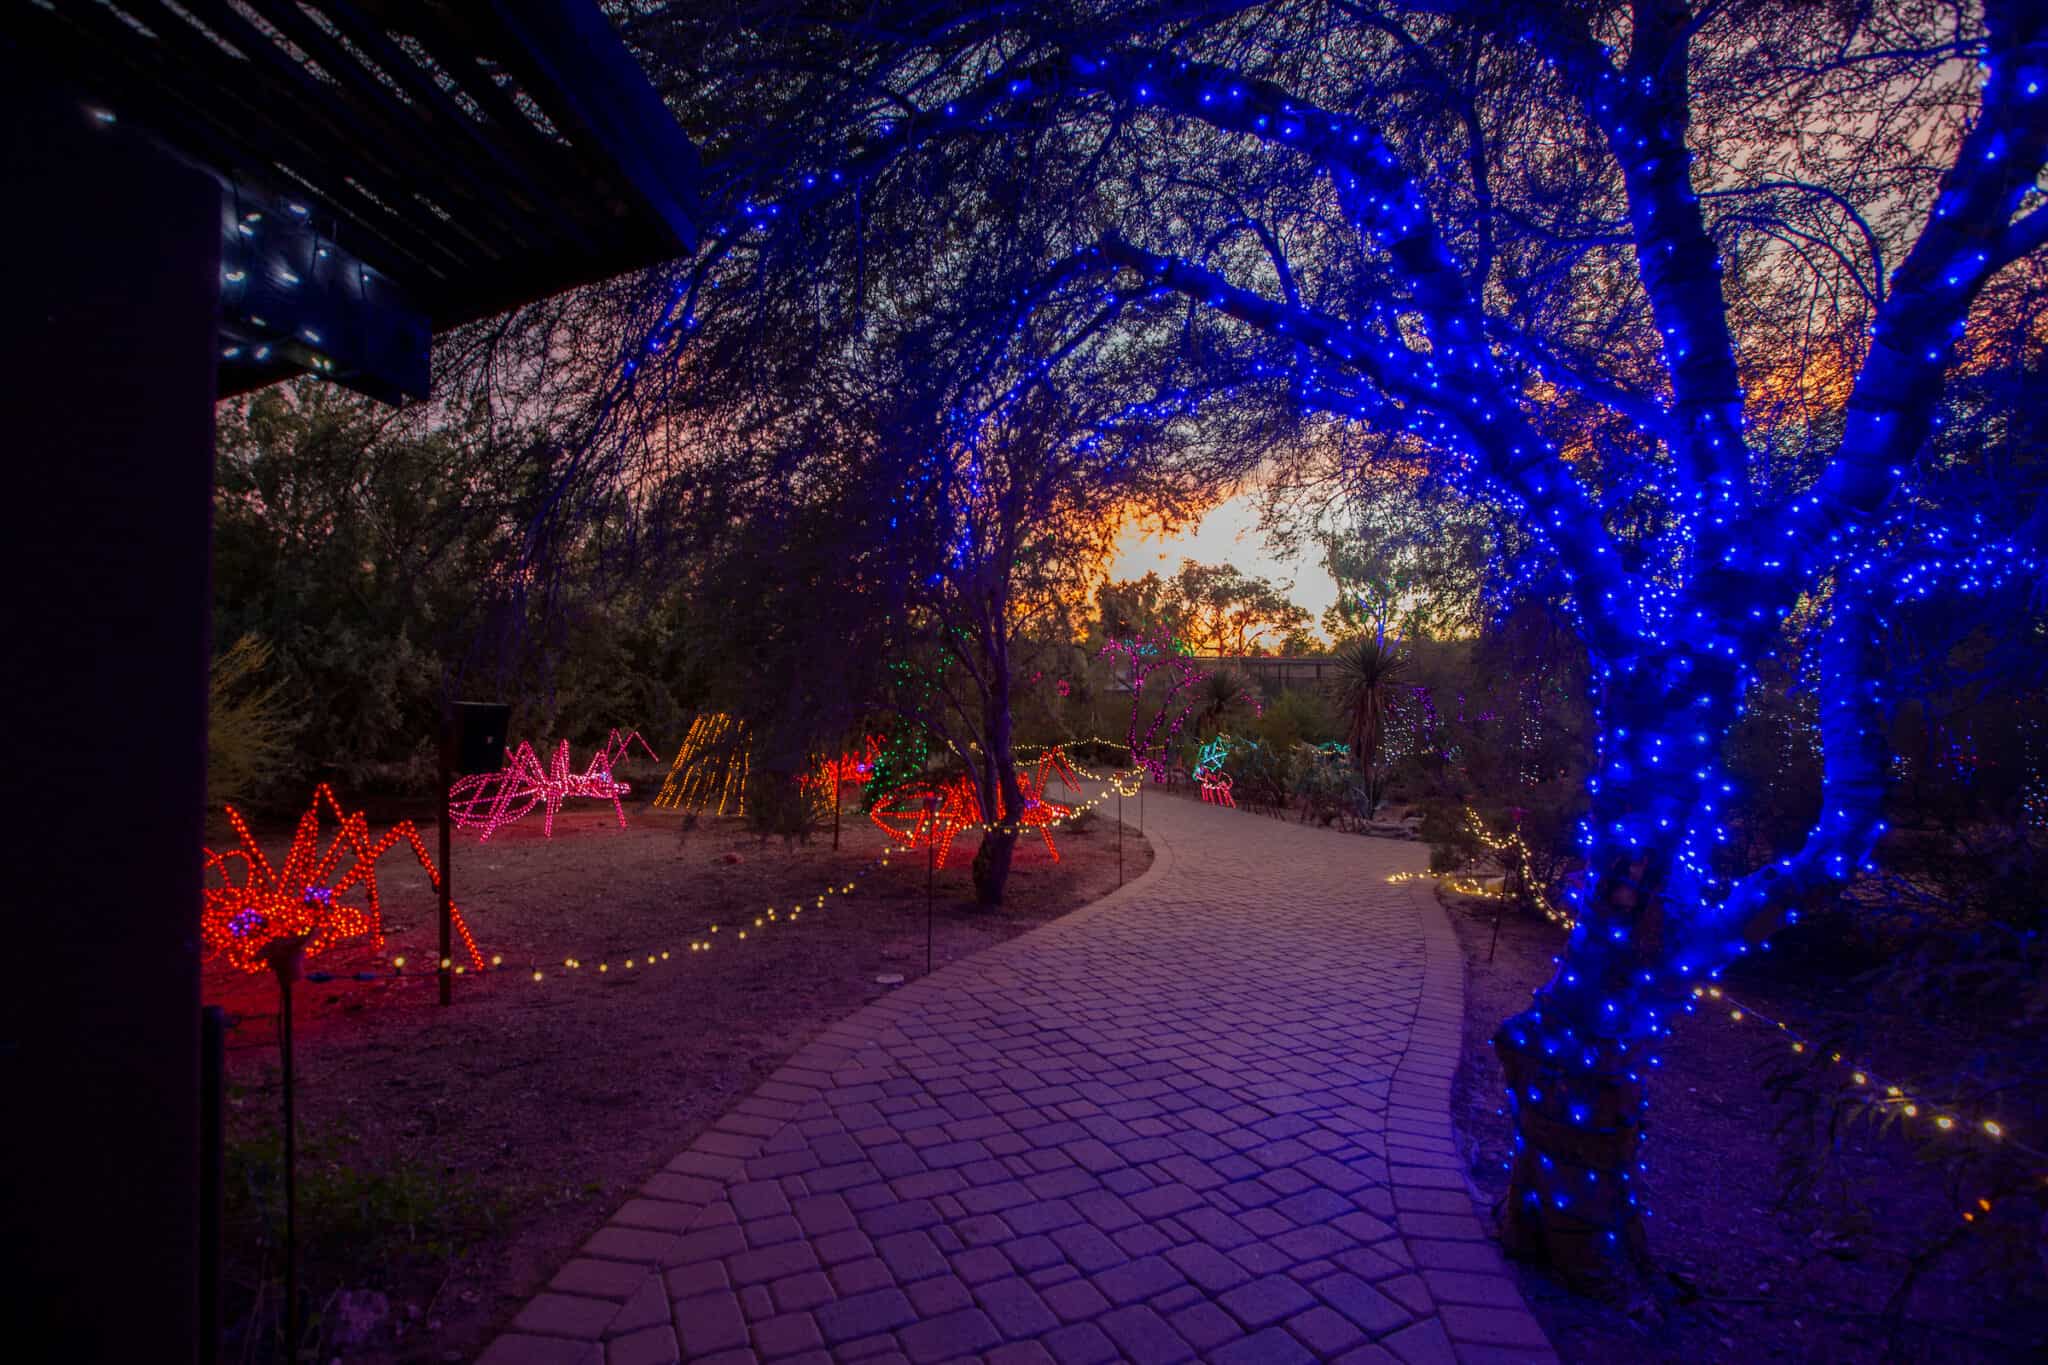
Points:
(286, 956)
(1119, 836)
(212, 1108)
(931, 872)
(291, 1186)
(447, 860)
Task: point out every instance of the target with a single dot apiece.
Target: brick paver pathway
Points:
(1205, 1118)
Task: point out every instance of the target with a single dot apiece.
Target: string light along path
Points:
(1206, 1117)
(731, 933)
(1865, 1083)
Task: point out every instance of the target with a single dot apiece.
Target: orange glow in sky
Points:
(1227, 534)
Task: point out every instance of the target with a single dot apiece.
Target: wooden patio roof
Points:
(389, 167)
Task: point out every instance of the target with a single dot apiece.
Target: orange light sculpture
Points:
(256, 905)
(923, 814)
(710, 771)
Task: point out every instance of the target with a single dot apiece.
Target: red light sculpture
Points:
(823, 783)
(924, 814)
(488, 801)
(257, 905)
(1209, 772)
(855, 765)
(910, 822)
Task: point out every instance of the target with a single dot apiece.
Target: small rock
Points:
(889, 979)
(358, 1313)
(730, 858)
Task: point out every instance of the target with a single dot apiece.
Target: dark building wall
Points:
(111, 261)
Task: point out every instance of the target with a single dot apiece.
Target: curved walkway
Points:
(1206, 1117)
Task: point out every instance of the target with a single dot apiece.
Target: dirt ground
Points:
(459, 1155)
(1749, 1276)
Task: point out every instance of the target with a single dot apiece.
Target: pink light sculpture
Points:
(488, 801)
(1147, 655)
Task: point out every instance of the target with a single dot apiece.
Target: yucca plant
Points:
(1222, 692)
(1368, 669)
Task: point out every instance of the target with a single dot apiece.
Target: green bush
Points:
(1260, 776)
(1452, 844)
(1297, 717)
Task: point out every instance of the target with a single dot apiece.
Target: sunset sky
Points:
(1228, 534)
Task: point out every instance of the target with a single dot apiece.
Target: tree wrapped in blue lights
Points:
(1580, 265)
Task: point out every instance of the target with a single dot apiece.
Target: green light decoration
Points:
(907, 748)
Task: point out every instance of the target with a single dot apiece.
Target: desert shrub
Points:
(1260, 776)
(392, 1224)
(1329, 789)
(1452, 843)
(249, 726)
(1934, 965)
(380, 561)
(1228, 701)
(778, 804)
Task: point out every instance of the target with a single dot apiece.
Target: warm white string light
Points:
(1873, 1088)
(735, 931)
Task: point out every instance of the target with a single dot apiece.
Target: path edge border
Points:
(1420, 1121)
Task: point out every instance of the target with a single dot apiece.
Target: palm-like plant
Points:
(1368, 670)
(1222, 691)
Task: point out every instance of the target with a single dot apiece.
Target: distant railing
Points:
(1273, 674)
